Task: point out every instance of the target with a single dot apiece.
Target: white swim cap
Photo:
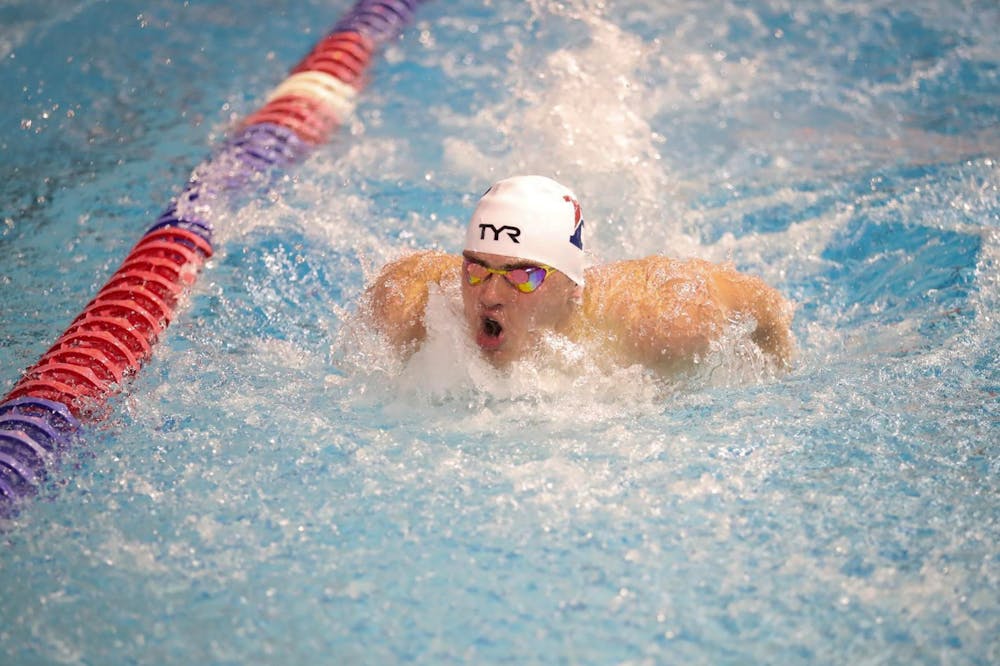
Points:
(530, 217)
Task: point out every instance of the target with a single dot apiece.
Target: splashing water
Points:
(276, 484)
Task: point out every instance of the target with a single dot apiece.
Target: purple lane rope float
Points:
(114, 335)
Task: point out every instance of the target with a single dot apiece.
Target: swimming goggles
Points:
(525, 279)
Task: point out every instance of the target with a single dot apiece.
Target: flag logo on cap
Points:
(576, 238)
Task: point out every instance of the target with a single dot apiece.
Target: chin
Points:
(499, 356)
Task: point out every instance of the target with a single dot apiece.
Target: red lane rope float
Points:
(342, 55)
(97, 360)
(180, 237)
(114, 334)
(307, 117)
(119, 356)
(144, 302)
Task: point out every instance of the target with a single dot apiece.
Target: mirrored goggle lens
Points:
(476, 272)
(526, 279)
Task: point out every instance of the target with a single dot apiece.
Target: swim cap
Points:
(530, 217)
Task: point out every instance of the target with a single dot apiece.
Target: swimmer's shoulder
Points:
(425, 266)
(396, 299)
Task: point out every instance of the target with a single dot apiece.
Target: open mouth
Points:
(490, 336)
(492, 327)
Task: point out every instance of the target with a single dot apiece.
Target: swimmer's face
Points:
(505, 323)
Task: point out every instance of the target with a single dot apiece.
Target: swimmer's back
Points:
(662, 312)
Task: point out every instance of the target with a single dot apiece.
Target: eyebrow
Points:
(504, 267)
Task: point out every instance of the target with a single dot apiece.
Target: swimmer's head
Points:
(532, 218)
(522, 229)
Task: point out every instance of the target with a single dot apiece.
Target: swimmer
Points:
(522, 277)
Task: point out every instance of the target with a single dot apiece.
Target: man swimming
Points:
(522, 277)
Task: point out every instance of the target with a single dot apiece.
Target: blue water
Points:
(275, 488)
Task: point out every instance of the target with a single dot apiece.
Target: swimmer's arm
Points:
(664, 312)
(739, 293)
(397, 299)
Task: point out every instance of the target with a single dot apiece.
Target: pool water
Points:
(274, 487)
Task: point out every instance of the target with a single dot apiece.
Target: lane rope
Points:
(114, 334)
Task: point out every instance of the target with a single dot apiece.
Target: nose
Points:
(495, 291)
